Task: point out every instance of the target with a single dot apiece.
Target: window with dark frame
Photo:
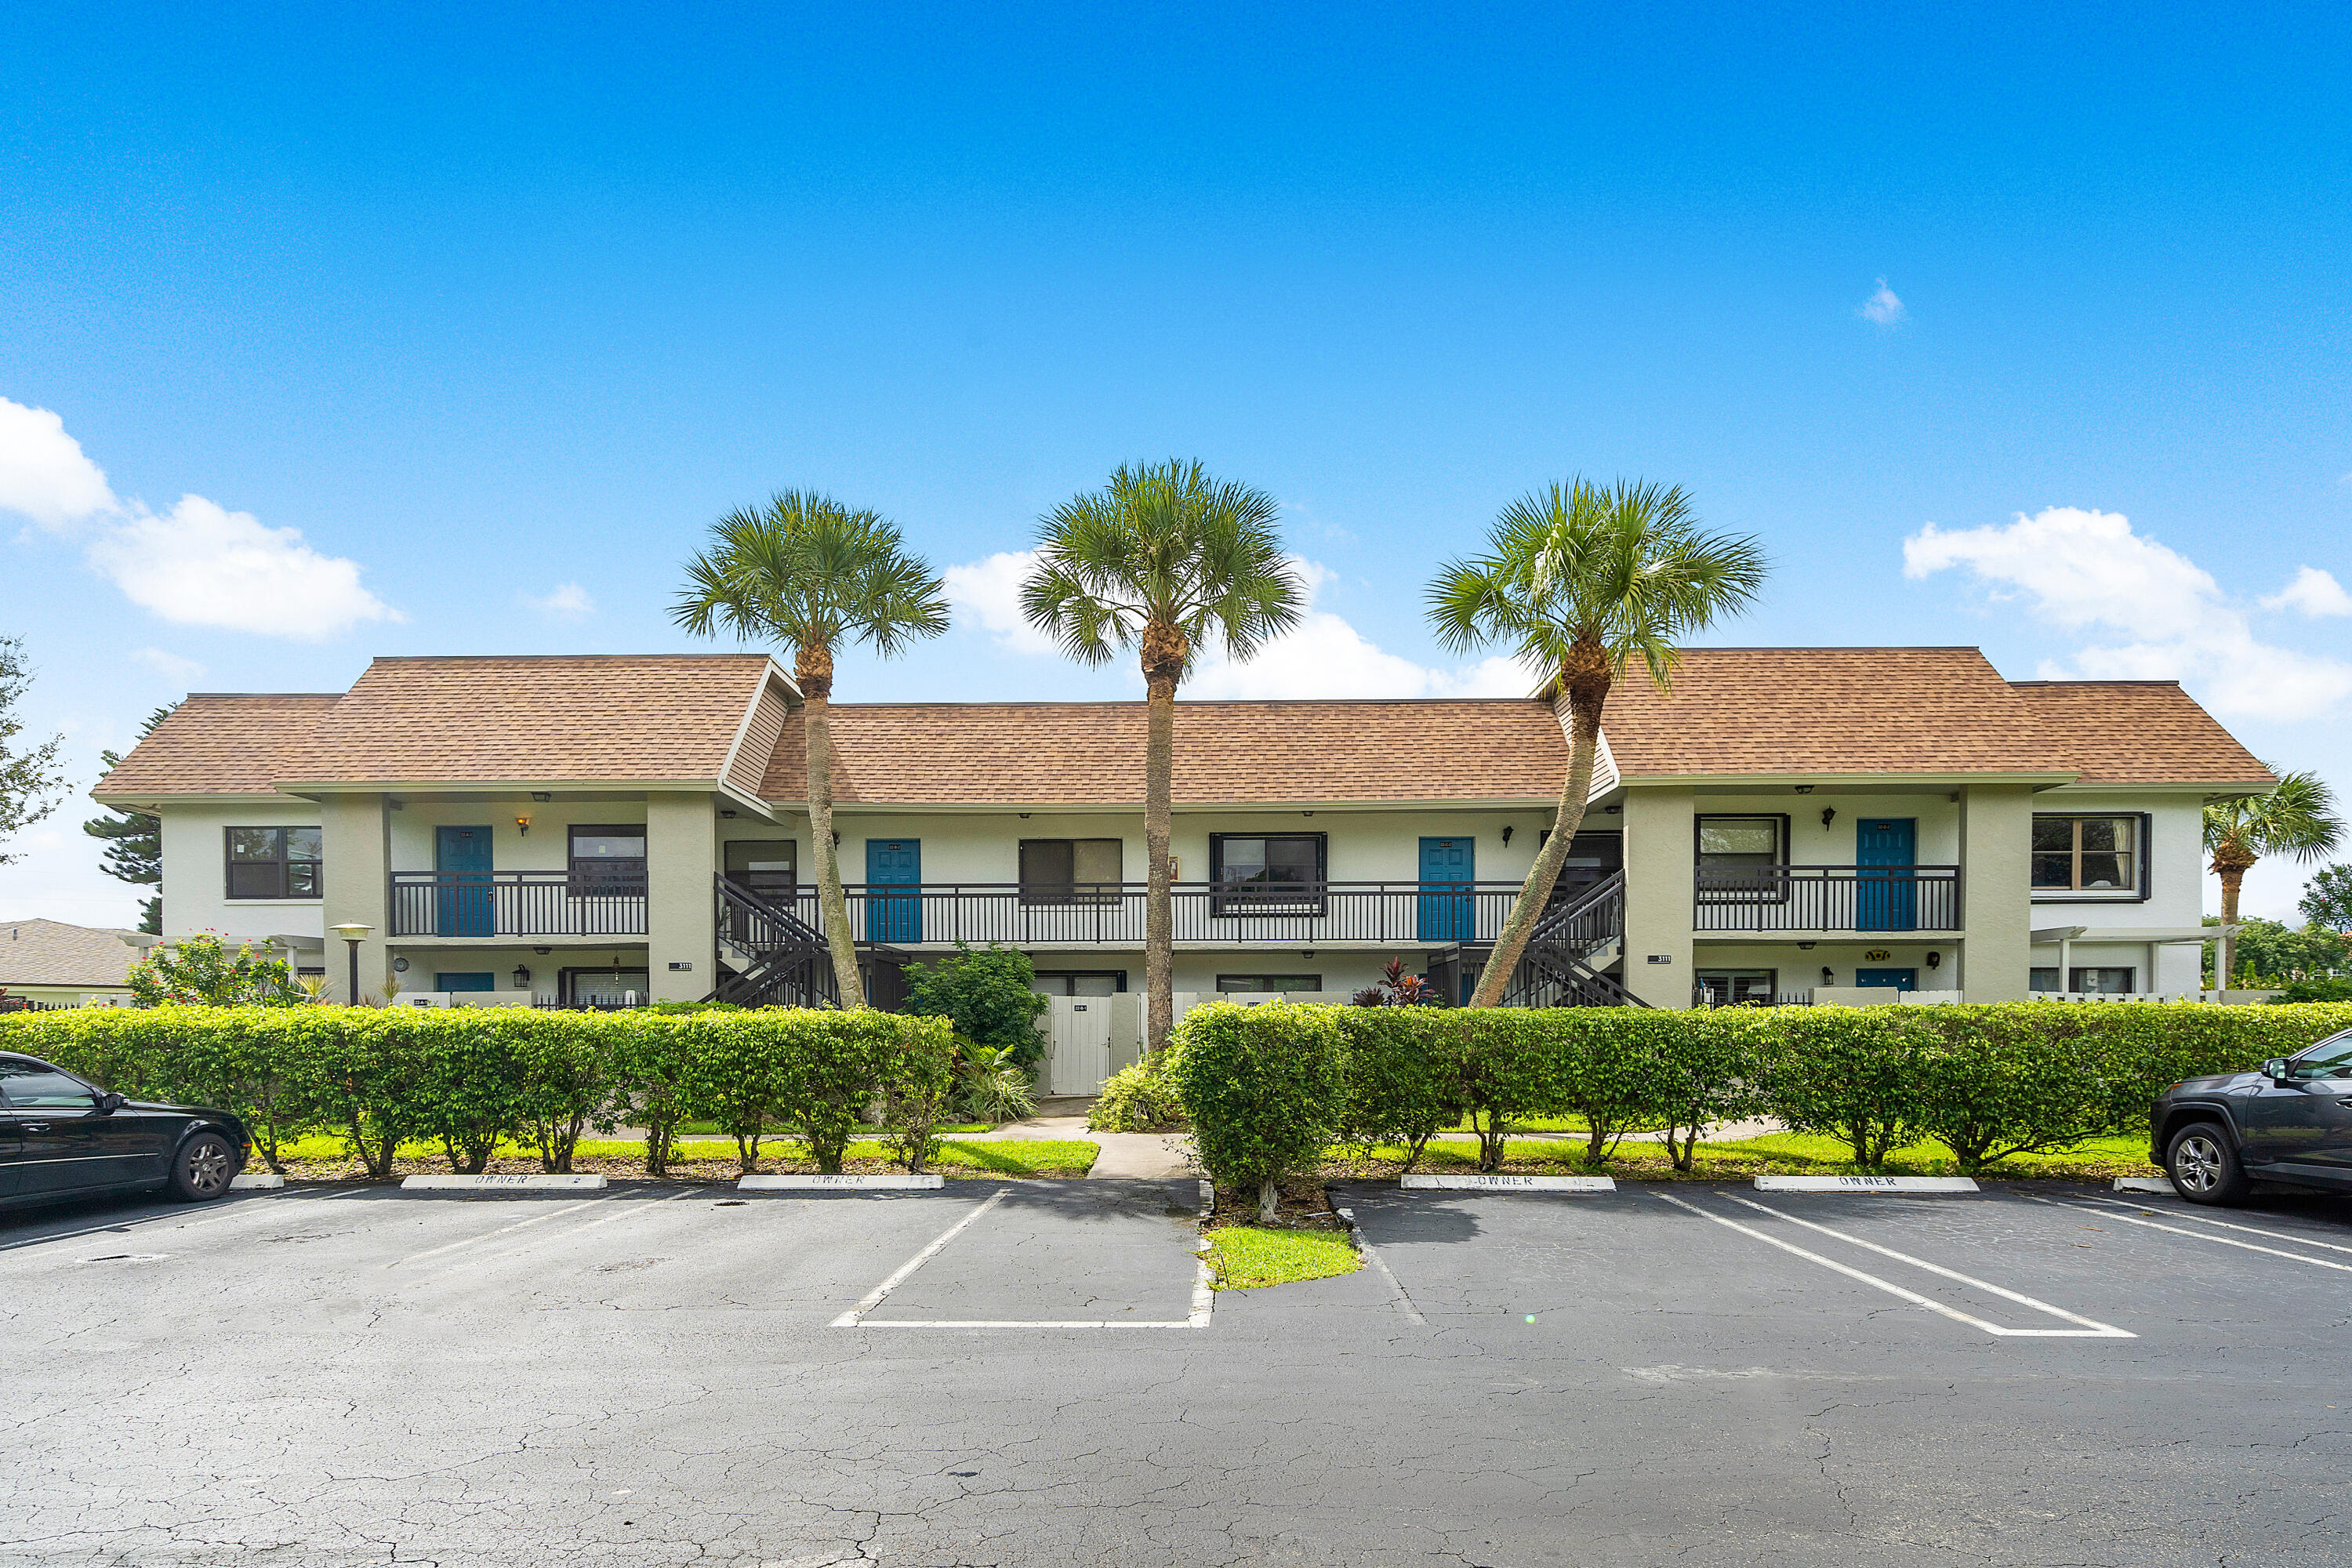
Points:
(1071, 871)
(2087, 854)
(1080, 981)
(767, 866)
(608, 859)
(1265, 982)
(2089, 980)
(1268, 872)
(1739, 858)
(273, 862)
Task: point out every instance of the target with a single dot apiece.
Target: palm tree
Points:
(809, 573)
(1579, 582)
(1162, 559)
(2297, 818)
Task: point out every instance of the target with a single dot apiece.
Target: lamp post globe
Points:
(355, 933)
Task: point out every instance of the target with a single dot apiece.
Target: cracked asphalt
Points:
(652, 1376)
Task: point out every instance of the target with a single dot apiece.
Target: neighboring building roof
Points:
(218, 743)
(1091, 754)
(2139, 731)
(1831, 710)
(51, 953)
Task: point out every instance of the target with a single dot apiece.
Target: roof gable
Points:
(2141, 731)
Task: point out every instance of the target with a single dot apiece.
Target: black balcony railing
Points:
(1828, 897)
(1112, 914)
(515, 903)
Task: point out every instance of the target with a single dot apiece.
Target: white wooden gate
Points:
(1077, 1048)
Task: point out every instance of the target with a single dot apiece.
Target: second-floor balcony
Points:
(1205, 914)
(1827, 899)
(515, 903)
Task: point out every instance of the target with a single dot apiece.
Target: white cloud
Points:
(43, 473)
(2088, 572)
(201, 565)
(198, 564)
(1884, 308)
(989, 592)
(169, 666)
(1324, 656)
(2314, 591)
(567, 600)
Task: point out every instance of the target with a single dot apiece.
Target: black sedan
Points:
(2291, 1122)
(62, 1136)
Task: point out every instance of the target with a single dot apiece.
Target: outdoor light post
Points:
(353, 934)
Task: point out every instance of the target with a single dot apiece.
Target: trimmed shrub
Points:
(1138, 1098)
(1851, 1072)
(1707, 1067)
(1403, 1081)
(1261, 1087)
(988, 994)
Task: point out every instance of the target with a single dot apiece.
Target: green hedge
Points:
(1988, 1081)
(380, 1077)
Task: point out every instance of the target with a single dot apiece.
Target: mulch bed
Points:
(633, 1168)
(1305, 1206)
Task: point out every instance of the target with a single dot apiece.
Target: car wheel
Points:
(202, 1168)
(2204, 1166)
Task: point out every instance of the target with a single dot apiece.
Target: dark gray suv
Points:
(2290, 1122)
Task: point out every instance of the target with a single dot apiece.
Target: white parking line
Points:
(2249, 1229)
(1204, 1295)
(2094, 1329)
(235, 1212)
(623, 1212)
(2199, 1236)
(469, 1241)
(1396, 1287)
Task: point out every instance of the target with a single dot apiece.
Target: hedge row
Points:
(1267, 1087)
(471, 1076)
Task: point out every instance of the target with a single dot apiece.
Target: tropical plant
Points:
(1395, 988)
(1163, 560)
(807, 571)
(990, 1085)
(988, 995)
(2295, 818)
(201, 970)
(1578, 582)
(30, 780)
(134, 840)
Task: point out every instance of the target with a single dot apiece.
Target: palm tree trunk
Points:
(1588, 688)
(1159, 813)
(2232, 876)
(815, 675)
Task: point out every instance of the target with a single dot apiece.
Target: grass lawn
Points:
(1245, 1258)
(1777, 1153)
(714, 1159)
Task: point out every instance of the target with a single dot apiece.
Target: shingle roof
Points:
(218, 743)
(51, 953)
(634, 717)
(1831, 710)
(2139, 731)
(1091, 754)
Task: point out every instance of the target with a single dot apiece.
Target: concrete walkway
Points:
(1126, 1156)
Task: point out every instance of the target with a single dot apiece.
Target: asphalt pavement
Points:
(2040, 1374)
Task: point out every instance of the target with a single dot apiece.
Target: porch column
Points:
(681, 858)
(355, 876)
(1996, 893)
(1661, 867)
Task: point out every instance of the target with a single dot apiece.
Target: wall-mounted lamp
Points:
(727, 812)
(1506, 833)
(521, 978)
(1611, 810)
(1804, 789)
(1024, 815)
(1829, 976)
(1306, 953)
(542, 951)
(542, 796)
(1828, 815)
(1801, 947)
(1306, 814)
(1935, 960)
(522, 826)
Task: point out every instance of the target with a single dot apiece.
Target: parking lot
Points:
(1032, 1374)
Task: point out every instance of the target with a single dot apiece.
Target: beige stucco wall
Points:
(1996, 901)
(681, 846)
(1658, 889)
(196, 872)
(356, 850)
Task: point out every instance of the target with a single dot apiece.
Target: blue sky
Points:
(499, 307)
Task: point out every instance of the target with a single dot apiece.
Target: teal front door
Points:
(461, 864)
(1890, 979)
(1885, 858)
(1448, 868)
(894, 891)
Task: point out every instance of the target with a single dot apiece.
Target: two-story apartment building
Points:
(590, 830)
